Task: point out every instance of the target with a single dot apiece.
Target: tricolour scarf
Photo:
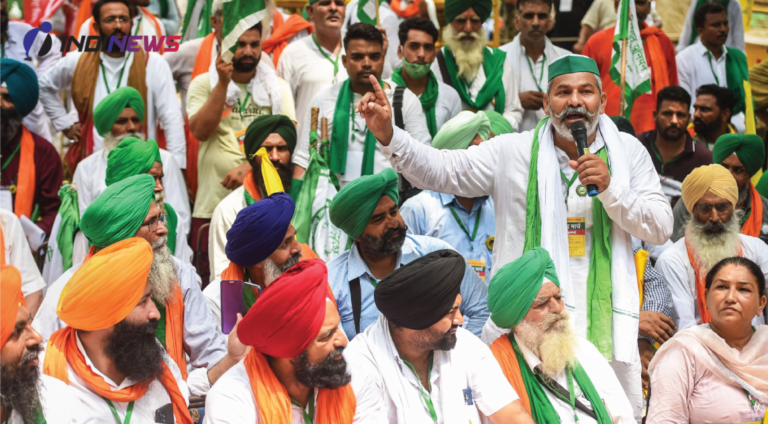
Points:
(25, 180)
(701, 280)
(409, 12)
(62, 350)
(534, 398)
(282, 31)
(342, 120)
(493, 88)
(753, 223)
(428, 98)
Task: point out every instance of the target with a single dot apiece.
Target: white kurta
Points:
(303, 66)
(18, 254)
(162, 103)
(677, 270)
(735, 23)
(467, 382)
(448, 104)
(413, 117)
(513, 111)
(222, 220)
(694, 69)
(60, 406)
(97, 411)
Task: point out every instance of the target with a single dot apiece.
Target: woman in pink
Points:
(717, 372)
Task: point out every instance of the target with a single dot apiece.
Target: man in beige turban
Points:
(712, 233)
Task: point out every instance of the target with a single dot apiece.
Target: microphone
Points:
(579, 133)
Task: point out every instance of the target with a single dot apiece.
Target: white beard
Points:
(562, 128)
(468, 54)
(162, 275)
(712, 248)
(111, 141)
(553, 341)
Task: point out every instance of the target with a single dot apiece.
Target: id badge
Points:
(577, 236)
(479, 266)
(6, 198)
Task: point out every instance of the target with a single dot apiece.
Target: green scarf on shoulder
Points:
(428, 98)
(493, 88)
(172, 220)
(599, 285)
(736, 72)
(342, 120)
(70, 222)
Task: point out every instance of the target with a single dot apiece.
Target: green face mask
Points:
(416, 70)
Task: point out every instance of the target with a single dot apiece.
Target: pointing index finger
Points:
(377, 88)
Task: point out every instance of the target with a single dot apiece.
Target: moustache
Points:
(398, 232)
(569, 110)
(712, 227)
(31, 354)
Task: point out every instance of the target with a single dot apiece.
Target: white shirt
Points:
(413, 117)
(303, 66)
(695, 68)
(60, 406)
(735, 25)
(18, 254)
(383, 380)
(162, 103)
(387, 20)
(96, 409)
(448, 104)
(222, 220)
(675, 266)
(513, 111)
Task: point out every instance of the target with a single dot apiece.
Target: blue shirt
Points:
(429, 214)
(350, 265)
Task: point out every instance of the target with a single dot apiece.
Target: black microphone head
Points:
(578, 129)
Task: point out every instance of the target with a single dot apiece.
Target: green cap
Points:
(570, 64)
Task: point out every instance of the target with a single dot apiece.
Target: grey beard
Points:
(564, 129)
(18, 386)
(272, 271)
(743, 192)
(162, 275)
(711, 248)
(111, 141)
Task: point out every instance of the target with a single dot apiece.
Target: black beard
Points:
(285, 171)
(135, 352)
(447, 341)
(18, 386)
(329, 374)
(10, 124)
(239, 66)
(105, 41)
(293, 260)
(666, 136)
(390, 242)
(703, 128)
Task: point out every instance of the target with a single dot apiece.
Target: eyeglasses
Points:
(461, 20)
(706, 208)
(153, 223)
(118, 19)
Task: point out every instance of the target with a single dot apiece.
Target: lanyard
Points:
(308, 416)
(709, 56)
(474, 232)
(125, 62)
(428, 397)
(13, 155)
(541, 77)
(117, 417)
(335, 63)
(572, 395)
(570, 182)
(245, 103)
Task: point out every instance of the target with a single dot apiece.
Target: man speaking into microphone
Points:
(539, 183)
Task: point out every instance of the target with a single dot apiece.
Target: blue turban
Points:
(259, 229)
(21, 81)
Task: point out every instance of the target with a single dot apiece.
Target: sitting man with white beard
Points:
(482, 75)
(710, 194)
(563, 378)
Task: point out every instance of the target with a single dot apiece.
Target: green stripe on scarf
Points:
(70, 221)
(172, 220)
(428, 98)
(542, 410)
(342, 119)
(700, 3)
(161, 323)
(493, 66)
(736, 72)
(599, 286)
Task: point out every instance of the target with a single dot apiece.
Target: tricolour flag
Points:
(239, 16)
(638, 75)
(366, 11)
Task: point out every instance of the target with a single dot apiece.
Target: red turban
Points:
(289, 313)
(11, 299)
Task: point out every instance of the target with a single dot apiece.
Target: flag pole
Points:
(623, 76)
(377, 13)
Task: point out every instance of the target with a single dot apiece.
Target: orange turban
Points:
(11, 298)
(107, 286)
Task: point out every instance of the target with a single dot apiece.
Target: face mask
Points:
(416, 70)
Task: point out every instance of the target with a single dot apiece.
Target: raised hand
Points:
(376, 110)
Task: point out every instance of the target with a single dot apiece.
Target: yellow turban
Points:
(714, 178)
(107, 286)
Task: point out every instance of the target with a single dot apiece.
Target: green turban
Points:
(458, 132)
(499, 124)
(131, 157)
(21, 81)
(262, 127)
(514, 287)
(571, 64)
(454, 8)
(354, 204)
(110, 107)
(119, 211)
(749, 148)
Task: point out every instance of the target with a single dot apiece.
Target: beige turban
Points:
(714, 178)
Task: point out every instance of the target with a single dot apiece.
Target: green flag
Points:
(638, 76)
(239, 16)
(366, 11)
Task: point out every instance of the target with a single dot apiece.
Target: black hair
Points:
(258, 27)
(362, 31)
(96, 12)
(700, 17)
(520, 3)
(723, 96)
(417, 24)
(673, 93)
(752, 267)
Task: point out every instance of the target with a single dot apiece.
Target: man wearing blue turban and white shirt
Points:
(594, 258)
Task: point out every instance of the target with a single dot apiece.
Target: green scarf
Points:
(160, 329)
(70, 221)
(599, 286)
(542, 410)
(700, 3)
(736, 72)
(493, 65)
(428, 98)
(342, 118)
(172, 220)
